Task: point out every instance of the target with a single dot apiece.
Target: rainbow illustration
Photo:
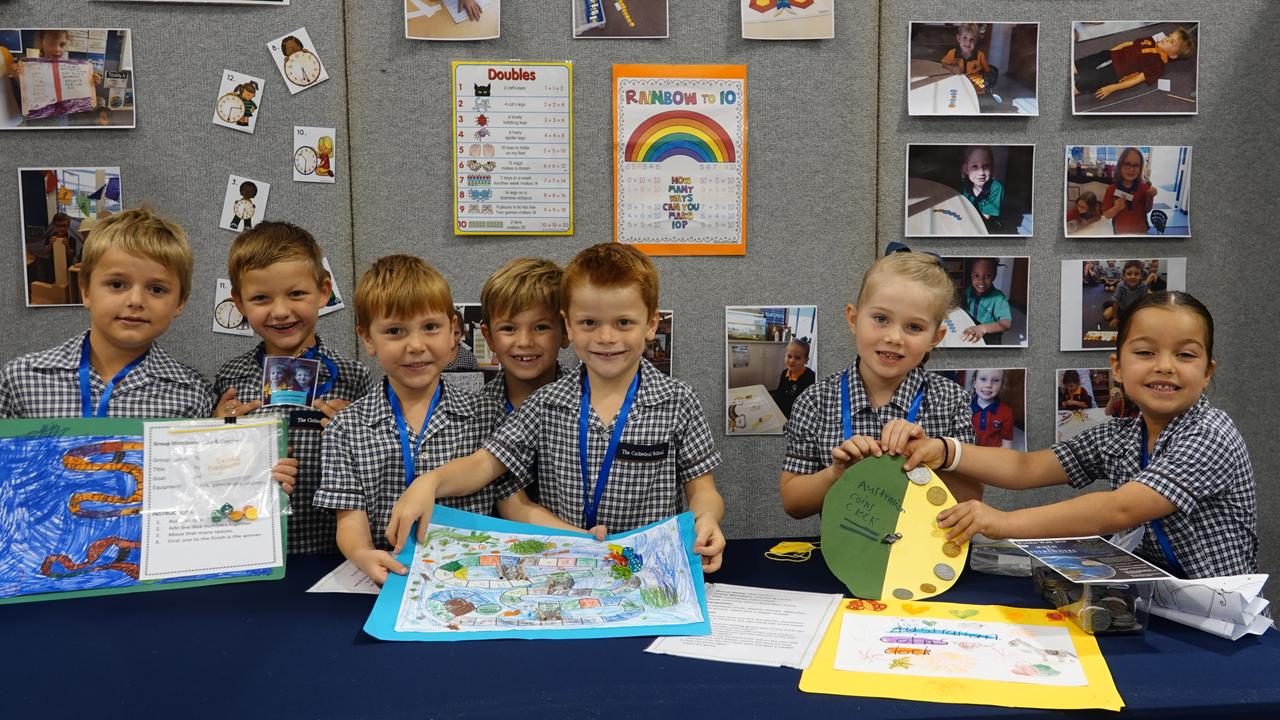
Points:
(680, 132)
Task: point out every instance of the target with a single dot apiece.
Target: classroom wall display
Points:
(658, 351)
(452, 19)
(58, 208)
(298, 61)
(973, 68)
(959, 190)
(512, 148)
(76, 495)
(227, 318)
(788, 19)
(60, 78)
(991, 301)
(1087, 398)
(628, 19)
(680, 152)
(1096, 292)
(1125, 67)
(998, 399)
(1128, 191)
(244, 203)
(335, 302)
(314, 155)
(239, 101)
(771, 356)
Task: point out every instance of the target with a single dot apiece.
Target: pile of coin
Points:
(1097, 608)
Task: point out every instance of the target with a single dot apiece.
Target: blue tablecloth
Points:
(269, 649)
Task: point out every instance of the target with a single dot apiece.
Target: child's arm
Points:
(708, 510)
(802, 495)
(1003, 468)
(356, 545)
(453, 479)
(1129, 81)
(1095, 513)
(520, 508)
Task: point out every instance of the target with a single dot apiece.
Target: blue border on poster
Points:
(382, 620)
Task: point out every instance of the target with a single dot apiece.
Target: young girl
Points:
(796, 376)
(1181, 467)
(874, 403)
(1129, 199)
(1085, 212)
(979, 187)
(992, 419)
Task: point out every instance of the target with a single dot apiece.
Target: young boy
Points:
(1071, 396)
(651, 426)
(986, 304)
(992, 420)
(1131, 290)
(135, 277)
(414, 422)
(966, 59)
(279, 284)
(522, 324)
(1130, 64)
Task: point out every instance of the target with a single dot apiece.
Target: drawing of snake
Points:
(77, 458)
(96, 550)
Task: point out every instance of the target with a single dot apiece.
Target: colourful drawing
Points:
(481, 577)
(680, 133)
(764, 6)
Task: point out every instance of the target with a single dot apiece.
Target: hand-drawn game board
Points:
(479, 577)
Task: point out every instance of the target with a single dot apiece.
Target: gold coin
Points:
(928, 588)
(950, 549)
(936, 495)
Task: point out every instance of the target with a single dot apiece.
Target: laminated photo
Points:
(788, 19)
(452, 19)
(1128, 191)
(973, 68)
(956, 190)
(998, 400)
(66, 79)
(1095, 293)
(1128, 67)
(771, 356)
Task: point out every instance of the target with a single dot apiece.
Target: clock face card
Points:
(239, 101)
(226, 317)
(313, 154)
(297, 60)
(244, 204)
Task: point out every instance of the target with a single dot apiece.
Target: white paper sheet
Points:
(346, 578)
(40, 87)
(1229, 607)
(757, 626)
(1231, 631)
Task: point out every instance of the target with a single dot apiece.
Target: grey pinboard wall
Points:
(827, 124)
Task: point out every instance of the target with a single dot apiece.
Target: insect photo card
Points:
(239, 101)
(297, 60)
(313, 154)
(244, 204)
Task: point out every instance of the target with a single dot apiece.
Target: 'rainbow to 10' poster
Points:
(680, 158)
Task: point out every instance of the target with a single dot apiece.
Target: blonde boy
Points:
(414, 422)
(279, 284)
(652, 424)
(522, 324)
(135, 277)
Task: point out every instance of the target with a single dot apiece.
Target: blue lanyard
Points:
(86, 400)
(410, 453)
(846, 408)
(312, 354)
(1156, 527)
(590, 502)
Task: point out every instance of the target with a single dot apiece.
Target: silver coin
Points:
(944, 572)
(903, 594)
(920, 475)
(1095, 619)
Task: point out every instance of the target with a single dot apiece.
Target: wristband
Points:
(946, 453)
(956, 460)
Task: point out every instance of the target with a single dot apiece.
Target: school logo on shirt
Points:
(643, 453)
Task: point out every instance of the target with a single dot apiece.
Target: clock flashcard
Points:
(680, 158)
(244, 204)
(314, 154)
(66, 79)
(297, 60)
(289, 380)
(631, 19)
(1128, 67)
(973, 68)
(1128, 191)
(788, 19)
(771, 357)
(227, 319)
(513, 148)
(452, 19)
(959, 190)
(58, 208)
(1096, 293)
(239, 98)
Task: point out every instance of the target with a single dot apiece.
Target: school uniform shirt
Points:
(991, 306)
(990, 201)
(789, 389)
(815, 427)
(1139, 56)
(993, 423)
(46, 384)
(362, 467)
(311, 530)
(665, 444)
(976, 64)
(1201, 465)
(1132, 220)
(1079, 395)
(1126, 296)
(496, 389)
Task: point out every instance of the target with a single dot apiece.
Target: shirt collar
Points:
(901, 399)
(157, 364)
(1130, 437)
(453, 402)
(653, 390)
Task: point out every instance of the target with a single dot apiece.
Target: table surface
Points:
(935, 209)
(269, 649)
(930, 84)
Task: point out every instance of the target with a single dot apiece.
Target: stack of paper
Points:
(1229, 607)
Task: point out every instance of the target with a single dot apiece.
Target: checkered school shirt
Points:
(666, 436)
(46, 384)
(1201, 465)
(311, 530)
(496, 389)
(363, 468)
(814, 427)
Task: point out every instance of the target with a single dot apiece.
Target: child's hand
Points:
(228, 406)
(925, 451)
(377, 564)
(1105, 91)
(973, 333)
(852, 450)
(970, 518)
(472, 8)
(708, 542)
(599, 532)
(285, 472)
(897, 433)
(329, 408)
(414, 505)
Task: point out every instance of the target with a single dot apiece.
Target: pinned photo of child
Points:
(60, 78)
(771, 358)
(956, 67)
(1134, 68)
(289, 380)
(59, 208)
(969, 190)
(1096, 293)
(1082, 400)
(991, 301)
(998, 401)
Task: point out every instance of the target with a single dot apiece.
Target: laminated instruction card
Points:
(679, 154)
(513, 148)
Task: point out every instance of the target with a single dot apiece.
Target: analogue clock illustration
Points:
(230, 108)
(243, 209)
(302, 67)
(305, 160)
(228, 316)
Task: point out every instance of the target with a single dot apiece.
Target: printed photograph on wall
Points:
(658, 350)
(788, 19)
(475, 362)
(55, 78)
(595, 19)
(1096, 292)
(1087, 398)
(1133, 191)
(1127, 67)
(58, 208)
(973, 68)
(452, 19)
(771, 356)
(998, 399)
(969, 190)
(991, 301)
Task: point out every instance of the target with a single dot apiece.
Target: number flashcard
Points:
(313, 154)
(244, 204)
(297, 60)
(239, 101)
